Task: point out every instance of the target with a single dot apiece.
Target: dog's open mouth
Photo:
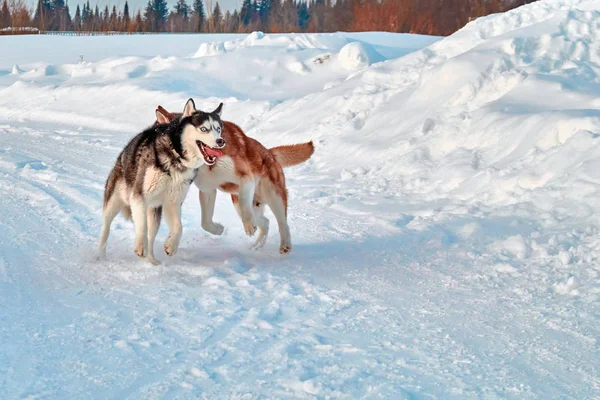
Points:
(210, 154)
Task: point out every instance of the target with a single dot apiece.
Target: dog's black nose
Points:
(220, 142)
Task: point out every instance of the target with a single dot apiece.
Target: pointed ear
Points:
(162, 116)
(218, 110)
(189, 108)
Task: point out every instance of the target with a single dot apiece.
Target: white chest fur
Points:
(222, 172)
(161, 188)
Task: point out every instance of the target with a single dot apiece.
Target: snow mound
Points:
(291, 42)
(16, 70)
(297, 67)
(210, 49)
(252, 38)
(489, 27)
(358, 55)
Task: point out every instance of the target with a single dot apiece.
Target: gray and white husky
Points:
(153, 173)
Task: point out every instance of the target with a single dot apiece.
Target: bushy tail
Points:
(293, 154)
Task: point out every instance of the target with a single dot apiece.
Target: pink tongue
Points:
(213, 152)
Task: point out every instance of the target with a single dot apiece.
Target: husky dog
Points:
(153, 174)
(252, 174)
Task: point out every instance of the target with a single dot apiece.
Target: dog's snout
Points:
(220, 142)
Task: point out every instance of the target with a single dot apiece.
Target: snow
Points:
(357, 55)
(446, 231)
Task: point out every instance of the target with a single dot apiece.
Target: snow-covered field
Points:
(446, 232)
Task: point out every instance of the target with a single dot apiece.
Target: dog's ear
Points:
(189, 108)
(218, 110)
(162, 116)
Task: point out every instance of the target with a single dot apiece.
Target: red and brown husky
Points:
(252, 174)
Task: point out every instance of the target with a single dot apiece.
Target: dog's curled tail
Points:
(293, 154)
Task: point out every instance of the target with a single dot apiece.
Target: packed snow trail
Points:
(445, 231)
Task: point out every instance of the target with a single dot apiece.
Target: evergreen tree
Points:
(5, 19)
(57, 15)
(105, 19)
(235, 21)
(217, 19)
(161, 12)
(149, 18)
(126, 17)
(303, 15)
(182, 8)
(139, 22)
(67, 22)
(83, 16)
(96, 20)
(254, 13)
(264, 9)
(86, 16)
(246, 12)
(113, 20)
(199, 15)
(43, 14)
(77, 19)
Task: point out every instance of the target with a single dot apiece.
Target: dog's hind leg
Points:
(263, 225)
(246, 199)
(154, 215)
(173, 218)
(139, 214)
(207, 204)
(279, 207)
(109, 212)
(261, 220)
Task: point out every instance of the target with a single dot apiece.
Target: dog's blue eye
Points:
(203, 129)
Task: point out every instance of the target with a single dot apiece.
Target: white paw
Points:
(171, 245)
(285, 248)
(249, 227)
(100, 254)
(214, 228)
(152, 260)
(260, 241)
(140, 249)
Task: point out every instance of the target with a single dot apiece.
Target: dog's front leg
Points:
(138, 214)
(172, 212)
(207, 204)
(246, 198)
(154, 215)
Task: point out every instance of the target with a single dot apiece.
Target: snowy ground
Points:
(446, 231)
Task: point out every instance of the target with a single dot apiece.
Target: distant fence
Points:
(36, 31)
(20, 31)
(93, 33)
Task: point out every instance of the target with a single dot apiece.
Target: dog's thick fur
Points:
(152, 176)
(253, 175)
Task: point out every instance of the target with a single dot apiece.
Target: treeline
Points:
(433, 17)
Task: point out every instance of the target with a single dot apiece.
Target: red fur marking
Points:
(230, 187)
